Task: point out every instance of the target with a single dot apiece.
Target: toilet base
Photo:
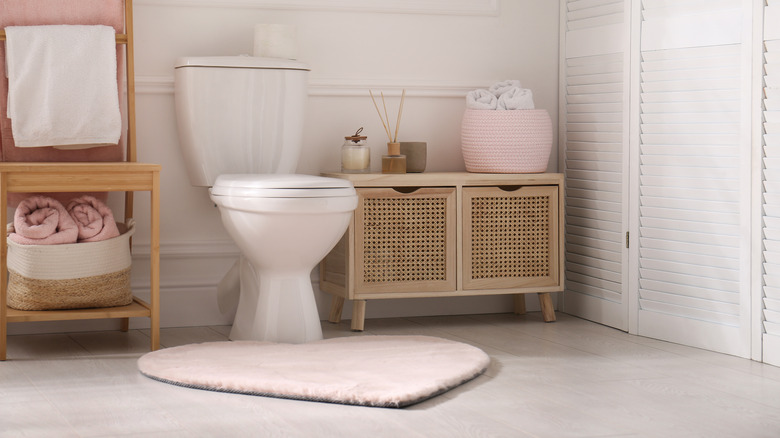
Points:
(275, 307)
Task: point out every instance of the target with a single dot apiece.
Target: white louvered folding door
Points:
(656, 113)
(594, 114)
(693, 250)
(771, 143)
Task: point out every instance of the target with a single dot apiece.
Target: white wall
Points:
(438, 50)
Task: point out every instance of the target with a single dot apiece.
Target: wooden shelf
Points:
(70, 177)
(77, 177)
(137, 308)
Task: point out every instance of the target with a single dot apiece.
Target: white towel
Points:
(481, 100)
(502, 87)
(62, 85)
(516, 99)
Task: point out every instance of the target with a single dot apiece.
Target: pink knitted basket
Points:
(513, 141)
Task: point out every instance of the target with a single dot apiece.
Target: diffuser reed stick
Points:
(398, 120)
(384, 105)
(387, 131)
(386, 119)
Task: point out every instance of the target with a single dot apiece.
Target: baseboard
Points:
(191, 271)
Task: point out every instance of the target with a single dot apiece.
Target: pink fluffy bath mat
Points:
(382, 371)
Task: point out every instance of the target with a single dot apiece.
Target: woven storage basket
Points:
(71, 276)
(514, 141)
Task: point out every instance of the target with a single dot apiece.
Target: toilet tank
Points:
(239, 114)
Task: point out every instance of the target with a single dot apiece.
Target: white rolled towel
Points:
(481, 100)
(502, 87)
(516, 99)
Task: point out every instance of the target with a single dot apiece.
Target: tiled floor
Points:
(571, 378)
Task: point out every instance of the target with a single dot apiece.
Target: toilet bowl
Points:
(284, 225)
(240, 125)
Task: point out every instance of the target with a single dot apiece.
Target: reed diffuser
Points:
(393, 162)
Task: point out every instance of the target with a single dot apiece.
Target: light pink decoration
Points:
(45, 12)
(94, 219)
(39, 220)
(517, 141)
(380, 371)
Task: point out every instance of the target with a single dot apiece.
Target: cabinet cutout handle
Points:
(406, 190)
(509, 188)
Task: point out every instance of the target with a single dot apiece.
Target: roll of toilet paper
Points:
(275, 41)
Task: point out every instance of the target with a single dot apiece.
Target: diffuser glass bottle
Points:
(393, 162)
(355, 155)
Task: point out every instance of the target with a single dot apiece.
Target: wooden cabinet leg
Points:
(519, 304)
(336, 307)
(358, 315)
(124, 324)
(3, 341)
(548, 312)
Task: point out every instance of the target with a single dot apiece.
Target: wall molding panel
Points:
(437, 7)
(187, 265)
(346, 87)
(153, 84)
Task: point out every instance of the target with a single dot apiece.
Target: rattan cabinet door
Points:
(510, 237)
(405, 240)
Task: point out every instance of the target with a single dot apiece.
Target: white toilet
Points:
(240, 123)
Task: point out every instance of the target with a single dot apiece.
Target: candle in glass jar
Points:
(355, 158)
(355, 155)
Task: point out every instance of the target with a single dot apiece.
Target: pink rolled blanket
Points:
(94, 219)
(40, 220)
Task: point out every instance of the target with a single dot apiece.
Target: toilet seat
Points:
(281, 186)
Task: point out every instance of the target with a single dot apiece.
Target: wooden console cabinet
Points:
(448, 234)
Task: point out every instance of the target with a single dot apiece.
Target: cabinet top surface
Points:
(447, 178)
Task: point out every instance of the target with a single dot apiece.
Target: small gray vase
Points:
(416, 153)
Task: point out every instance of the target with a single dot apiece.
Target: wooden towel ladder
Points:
(128, 176)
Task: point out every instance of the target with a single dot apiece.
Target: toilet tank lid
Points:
(241, 61)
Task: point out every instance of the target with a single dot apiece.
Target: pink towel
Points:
(44, 12)
(39, 220)
(94, 219)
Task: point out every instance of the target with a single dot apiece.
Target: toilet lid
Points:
(281, 186)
